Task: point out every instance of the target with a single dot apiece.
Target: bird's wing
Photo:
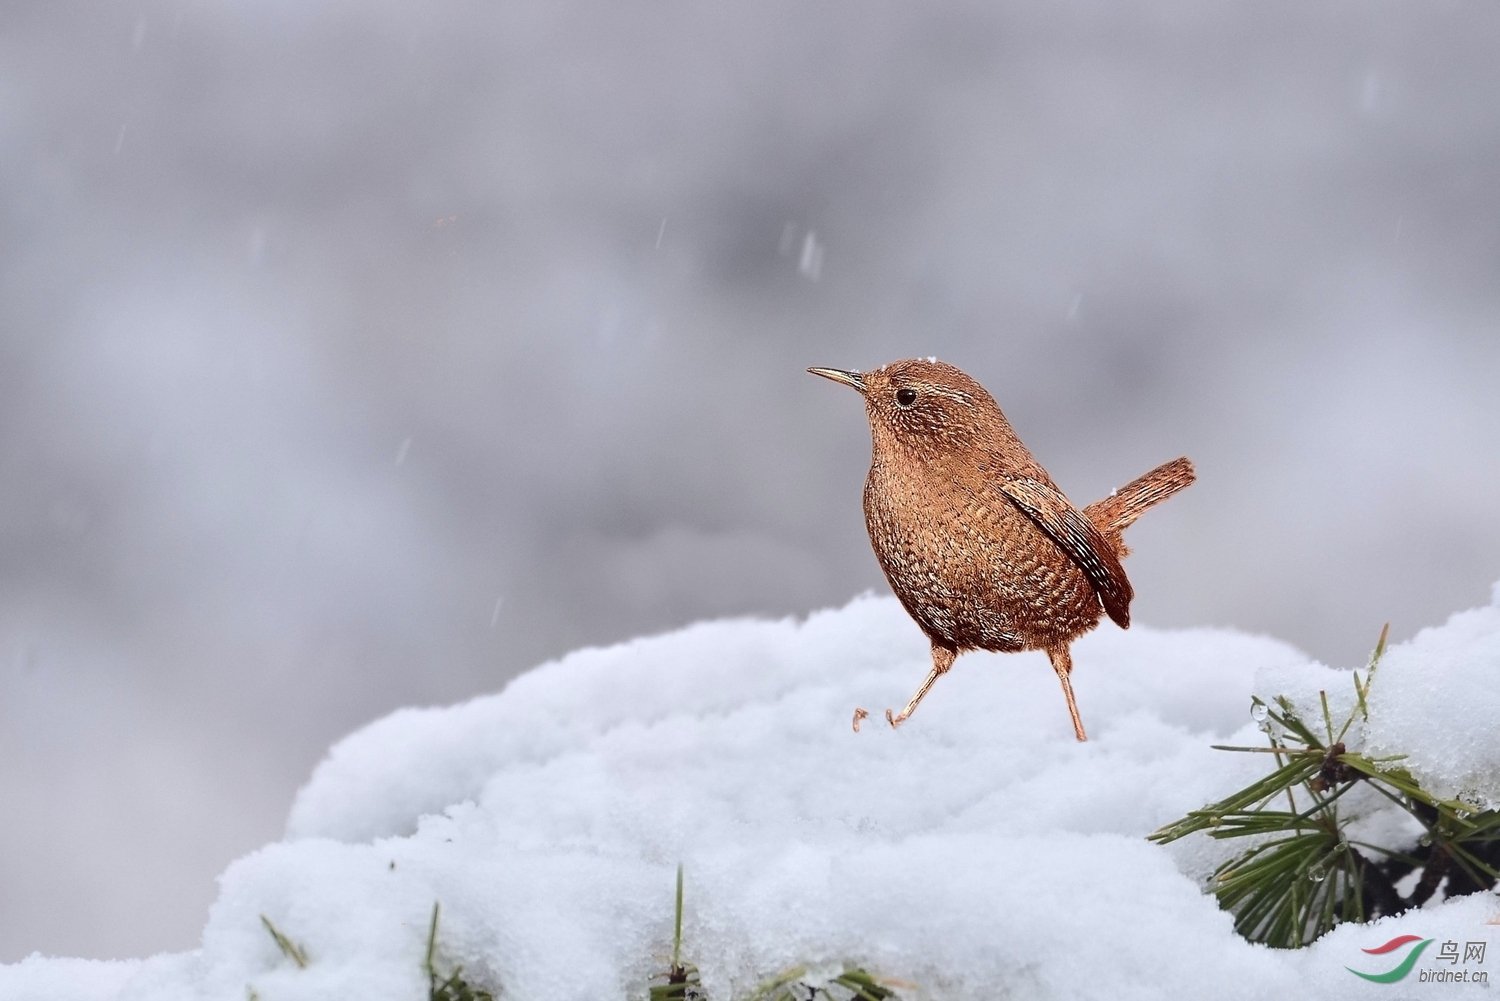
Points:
(1070, 529)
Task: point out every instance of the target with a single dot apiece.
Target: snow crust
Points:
(978, 852)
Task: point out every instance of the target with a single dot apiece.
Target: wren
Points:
(979, 545)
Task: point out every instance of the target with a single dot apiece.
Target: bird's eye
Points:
(906, 397)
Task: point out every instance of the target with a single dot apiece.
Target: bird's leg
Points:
(1062, 663)
(942, 659)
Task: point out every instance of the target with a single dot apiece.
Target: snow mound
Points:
(1437, 700)
(978, 852)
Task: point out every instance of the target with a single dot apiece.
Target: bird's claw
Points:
(859, 714)
(893, 720)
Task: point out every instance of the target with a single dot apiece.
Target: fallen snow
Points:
(1437, 699)
(979, 852)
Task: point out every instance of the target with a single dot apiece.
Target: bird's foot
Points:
(859, 714)
(895, 720)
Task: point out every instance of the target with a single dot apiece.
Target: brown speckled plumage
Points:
(979, 544)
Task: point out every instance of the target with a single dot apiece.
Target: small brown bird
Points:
(978, 543)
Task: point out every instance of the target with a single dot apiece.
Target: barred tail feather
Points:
(1119, 510)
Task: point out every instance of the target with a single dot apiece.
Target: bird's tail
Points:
(1120, 509)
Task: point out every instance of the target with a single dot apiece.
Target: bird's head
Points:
(922, 404)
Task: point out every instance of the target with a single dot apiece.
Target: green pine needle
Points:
(854, 984)
(452, 987)
(1305, 875)
(681, 979)
(677, 921)
(288, 948)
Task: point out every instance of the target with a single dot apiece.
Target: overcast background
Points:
(362, 354)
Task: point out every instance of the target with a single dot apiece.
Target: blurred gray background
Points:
(363, 354)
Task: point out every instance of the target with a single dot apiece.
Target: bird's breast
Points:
(970, 567)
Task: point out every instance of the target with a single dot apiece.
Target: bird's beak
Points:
(839, 375)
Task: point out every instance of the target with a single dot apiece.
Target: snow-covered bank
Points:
(979, 852)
